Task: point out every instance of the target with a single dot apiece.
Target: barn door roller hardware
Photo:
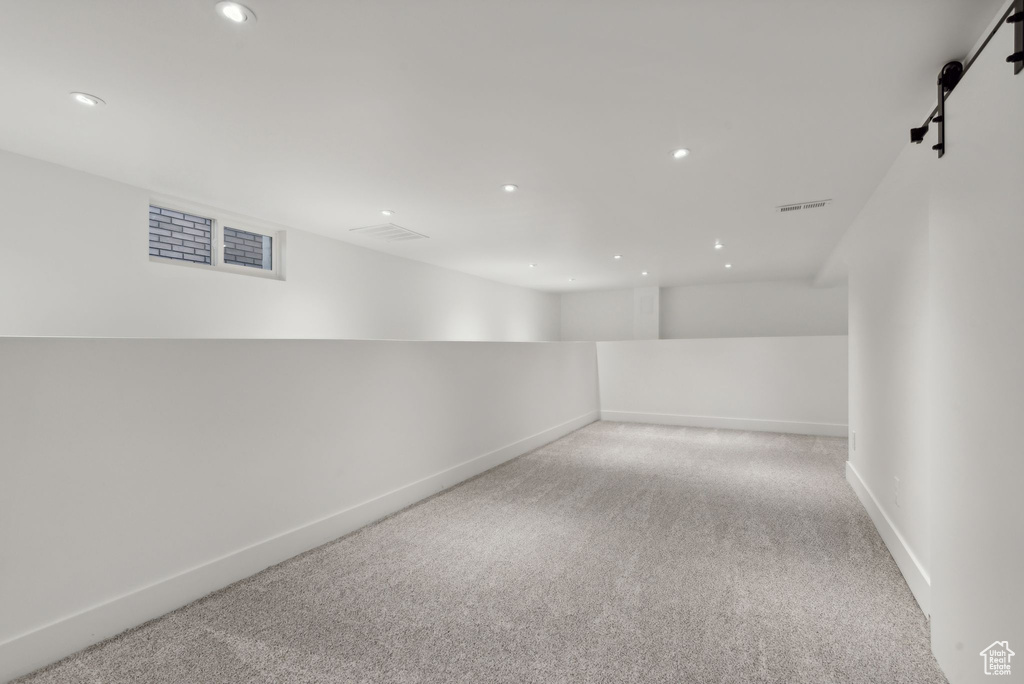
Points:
(952, 72)
(950, 75)
(1017, 19)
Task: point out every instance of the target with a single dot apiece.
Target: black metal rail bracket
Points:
(1016, 18)
(950, 75)
(952, 72)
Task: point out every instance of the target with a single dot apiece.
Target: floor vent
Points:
(388, 232)
(803, 205)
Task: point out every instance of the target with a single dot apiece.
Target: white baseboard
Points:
(822, 429)
(913, 572)
(49, 643)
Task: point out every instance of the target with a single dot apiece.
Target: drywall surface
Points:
(936, 370)
(977, 394)
(781, 384)
(779, 308)
(762, 309)
(888, 271)
(76, 262)
(646, 312)
(600, 315)
(137, 475)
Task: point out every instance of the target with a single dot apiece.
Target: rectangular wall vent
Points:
(803, 205)
(388, 232)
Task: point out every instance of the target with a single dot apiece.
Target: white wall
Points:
(937, 374)
(646, 313)
(888, 263)
(601, 315)
(760, 309)
(75, 259)
(140, 474)
(778, 308)
(781, 384)
(977, 392)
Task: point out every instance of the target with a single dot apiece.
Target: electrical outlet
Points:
(853, 440)
(896, 490)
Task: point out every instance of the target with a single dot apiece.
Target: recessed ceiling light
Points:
(680, 153)
(235, 12)
(508, 187)
(571, 280)
(533, 265)
(718, 244)
(87, 99)
(617, 256)
(728, 265)
(387, 212)
(643, 273)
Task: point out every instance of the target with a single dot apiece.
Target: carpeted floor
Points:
(620, 553)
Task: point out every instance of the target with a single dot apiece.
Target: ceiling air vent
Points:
(388, 232)
(803, 205)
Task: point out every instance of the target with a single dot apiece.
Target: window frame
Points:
(218, 220)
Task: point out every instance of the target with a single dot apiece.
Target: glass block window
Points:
(175, 235)
(243, 248)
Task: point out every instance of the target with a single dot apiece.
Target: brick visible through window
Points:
(243, 248)
(174, 235)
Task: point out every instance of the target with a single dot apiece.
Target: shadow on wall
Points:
(786, 308)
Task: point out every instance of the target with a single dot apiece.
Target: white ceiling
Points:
(324, 112)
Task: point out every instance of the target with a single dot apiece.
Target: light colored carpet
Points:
(620, 553)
